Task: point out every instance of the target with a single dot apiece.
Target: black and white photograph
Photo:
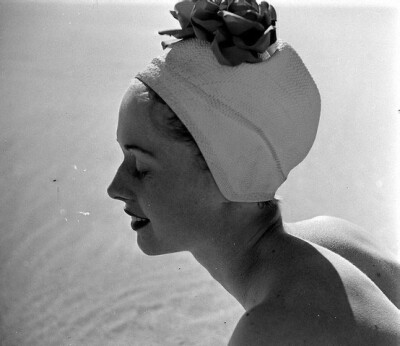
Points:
(199, 172)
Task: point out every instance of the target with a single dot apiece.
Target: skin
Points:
(361, 248)
(294, 291)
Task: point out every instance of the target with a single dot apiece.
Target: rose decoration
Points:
(239, 30)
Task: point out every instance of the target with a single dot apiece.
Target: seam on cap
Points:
(226, 190)
(244, 120)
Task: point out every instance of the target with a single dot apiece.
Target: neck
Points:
(243, 256)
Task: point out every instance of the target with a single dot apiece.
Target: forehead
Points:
(134, 113)
(136, 95)
(142, 124)
(140, 118)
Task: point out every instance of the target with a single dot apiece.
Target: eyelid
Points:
(138, 162)
(144, 157)
(138, 149)
(139, 169)
(131, 152)
(147, 161)
(139, 165)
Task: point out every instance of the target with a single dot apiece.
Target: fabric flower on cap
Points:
(239, 30)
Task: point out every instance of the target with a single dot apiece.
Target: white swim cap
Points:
(253, 123)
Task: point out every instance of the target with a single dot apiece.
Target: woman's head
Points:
(160, 179)
(164, 180)
(206, 144)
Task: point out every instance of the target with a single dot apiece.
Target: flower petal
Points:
(205, 19)
(204, 29)
(206, 6)
(235, 28)
(230, 55)
(260, 46)
(269, 14)
(183, 10)
(178, 33)
(253, 4)
(254, 16)
(168, 44)
(240, 7)
(174, 14)
(273, 12)
(223, 5)
(237, 25)
(218, 54)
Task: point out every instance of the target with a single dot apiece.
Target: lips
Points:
(137, 221)
(137, 224)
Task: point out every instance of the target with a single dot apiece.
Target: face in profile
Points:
(174, 205)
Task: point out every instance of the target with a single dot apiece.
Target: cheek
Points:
(167, 200)
(176, 200)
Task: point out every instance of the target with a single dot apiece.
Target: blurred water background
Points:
(70, 270)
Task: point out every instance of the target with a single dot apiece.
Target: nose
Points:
(118, 187)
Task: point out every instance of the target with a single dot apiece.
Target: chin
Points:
(152, 247)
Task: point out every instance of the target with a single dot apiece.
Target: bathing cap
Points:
(253, 123)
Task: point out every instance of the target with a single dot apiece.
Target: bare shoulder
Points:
(332, 230)
(311, 324)
(267, 324)
(326, 299)
(361, 248)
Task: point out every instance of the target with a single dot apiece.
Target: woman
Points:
(209, 131)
